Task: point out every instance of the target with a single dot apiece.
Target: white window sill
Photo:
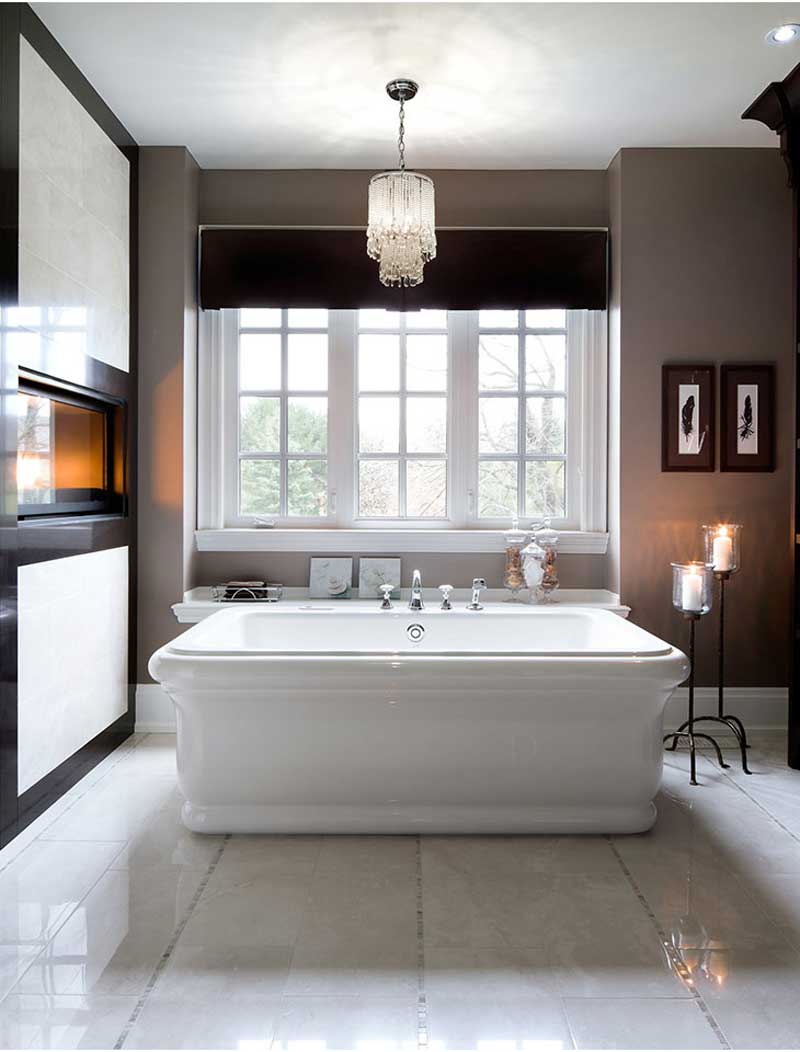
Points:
(364, 542)
(197, 604)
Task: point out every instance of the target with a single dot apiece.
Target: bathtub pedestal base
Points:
(386, 818)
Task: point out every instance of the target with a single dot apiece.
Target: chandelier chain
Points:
(401, 138)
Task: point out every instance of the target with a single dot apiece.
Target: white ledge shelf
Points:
(197, 604)
(383, 542)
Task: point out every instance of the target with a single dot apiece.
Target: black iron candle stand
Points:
(686, 730)
(733, 723)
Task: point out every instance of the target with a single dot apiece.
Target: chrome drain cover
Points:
(415, 633)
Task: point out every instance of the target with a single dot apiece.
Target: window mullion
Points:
(342, 414)
(521, 411)
(284, 439)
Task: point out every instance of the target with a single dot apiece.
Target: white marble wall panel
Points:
(73, 656)
(74, 211)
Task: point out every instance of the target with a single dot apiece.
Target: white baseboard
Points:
(155, 713)
(759, 708)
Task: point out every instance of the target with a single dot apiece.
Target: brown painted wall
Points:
(703, 272)
(463, 198)
(168, 191)
(575, 571)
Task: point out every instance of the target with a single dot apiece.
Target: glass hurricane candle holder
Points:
(723, 547)
(691, 588)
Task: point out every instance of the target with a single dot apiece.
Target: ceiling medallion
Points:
(401, 231)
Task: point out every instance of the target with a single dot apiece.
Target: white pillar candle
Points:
(722, 549)
(692, 592)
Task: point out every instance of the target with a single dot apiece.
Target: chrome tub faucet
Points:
(477, 584)
(415, 602)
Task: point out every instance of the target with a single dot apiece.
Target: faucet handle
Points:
(477, 584)
(387, 589)
(446, 590)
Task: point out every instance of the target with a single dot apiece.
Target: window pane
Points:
(497, 489)
(308, 362)
(260, 318)
(426, 363)
(497, 425)
(426, 425)
(498, 363)
(260, 425)
(498, 319)
(259, 487)
(307, 483)
(379, 425)
(260, 362)
(426, 489)
(545, 425)
(426, 319)
(379, 319)
(378, 489)
(546, 362)
(545, 319)
(544, 488)
(308, 318)
(379, 363)
(308, 425)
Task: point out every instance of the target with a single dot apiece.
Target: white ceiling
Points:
(525, 85)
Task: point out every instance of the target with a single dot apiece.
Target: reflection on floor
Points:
(119, 929)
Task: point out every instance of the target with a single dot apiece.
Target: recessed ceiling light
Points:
(784, 34)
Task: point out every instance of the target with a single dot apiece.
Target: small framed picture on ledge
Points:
(687, 418)
(748, 418)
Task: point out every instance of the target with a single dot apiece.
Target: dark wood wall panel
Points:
(9, 267)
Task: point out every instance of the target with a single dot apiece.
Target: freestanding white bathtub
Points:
(331, 720)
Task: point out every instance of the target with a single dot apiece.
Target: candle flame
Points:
(722, 531)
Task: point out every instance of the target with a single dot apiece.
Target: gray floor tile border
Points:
(422, 1001)
(678, 966)
(165, 956)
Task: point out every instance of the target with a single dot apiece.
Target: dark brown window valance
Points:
(293, 267)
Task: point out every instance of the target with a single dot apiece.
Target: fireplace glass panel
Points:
(63, 448)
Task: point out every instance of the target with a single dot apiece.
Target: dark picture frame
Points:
(747, 419)
(687, 418)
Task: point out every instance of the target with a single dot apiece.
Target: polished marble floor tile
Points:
(241, 908)
(753, 994)
(114, 939)
(42, 887)
(233, 973)
(345, 1023)
(163, 840)
(485, 1024)
(504, 974)
(243, 1025)
(645, 1022)
(117, 809)
(58, 1021)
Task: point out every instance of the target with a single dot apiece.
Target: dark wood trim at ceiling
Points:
(778, 107)
(26, 542)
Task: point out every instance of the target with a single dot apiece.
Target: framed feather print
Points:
(748, 418)
(687, 418)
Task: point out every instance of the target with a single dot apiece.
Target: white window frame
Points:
(220, 527)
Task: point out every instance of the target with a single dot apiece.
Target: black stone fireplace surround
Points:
(29, 541)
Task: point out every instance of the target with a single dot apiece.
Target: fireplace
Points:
(70, 455)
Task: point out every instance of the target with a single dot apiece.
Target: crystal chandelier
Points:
(401, 232)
